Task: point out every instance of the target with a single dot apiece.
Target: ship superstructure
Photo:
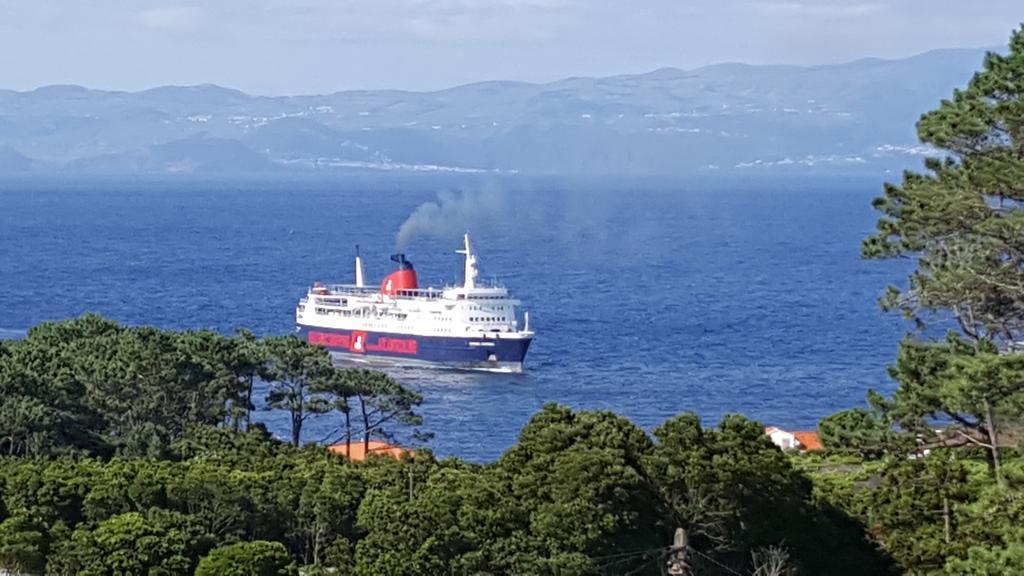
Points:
(469, 326)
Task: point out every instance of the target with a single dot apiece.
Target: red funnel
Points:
(402, 279)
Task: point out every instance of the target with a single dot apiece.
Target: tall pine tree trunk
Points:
(946, 523)
(248, 402)
(348, 433)
(296, 428)
(993, 440)
(297, 422)
(366, 427)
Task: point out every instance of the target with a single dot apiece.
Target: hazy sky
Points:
(306, 46)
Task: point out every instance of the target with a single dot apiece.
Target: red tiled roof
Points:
(809, 440)
(359, 451)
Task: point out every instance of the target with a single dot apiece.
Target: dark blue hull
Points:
(493, 353)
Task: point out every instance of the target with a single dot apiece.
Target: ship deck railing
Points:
(348, 290)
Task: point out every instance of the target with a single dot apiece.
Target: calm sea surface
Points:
(648, 299)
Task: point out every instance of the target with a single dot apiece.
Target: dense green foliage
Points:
(140, 462)
(91, 386)
(935, 514)
(856, 431)
(581, 493)
(259, 558)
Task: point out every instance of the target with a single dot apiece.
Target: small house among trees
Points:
(359, 451)
(803, 441)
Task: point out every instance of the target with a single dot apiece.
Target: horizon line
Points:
(505, 81)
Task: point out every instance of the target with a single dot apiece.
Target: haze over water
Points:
(648, 299)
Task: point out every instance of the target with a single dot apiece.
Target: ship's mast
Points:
(470, 276)
(359, 269)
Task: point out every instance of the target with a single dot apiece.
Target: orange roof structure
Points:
(806, 441)
(809, 441)
(360, 452)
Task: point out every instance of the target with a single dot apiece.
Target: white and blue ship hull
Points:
(497, 353)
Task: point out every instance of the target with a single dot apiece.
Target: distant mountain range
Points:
(856, 117)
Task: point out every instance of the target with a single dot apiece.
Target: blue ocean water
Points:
(649, 298)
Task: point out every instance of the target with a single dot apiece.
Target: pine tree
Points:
(963, 221)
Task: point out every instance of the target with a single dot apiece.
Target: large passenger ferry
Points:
(470, 326)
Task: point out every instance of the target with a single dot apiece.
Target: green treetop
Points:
(260, 558)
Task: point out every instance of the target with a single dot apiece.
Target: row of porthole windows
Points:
(487, 319)
(491, 308)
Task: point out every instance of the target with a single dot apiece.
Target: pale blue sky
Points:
(306, 46)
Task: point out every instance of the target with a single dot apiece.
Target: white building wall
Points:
(783, 439)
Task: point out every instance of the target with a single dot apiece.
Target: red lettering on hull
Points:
(329, 340)
(396, 345)
(359, 343)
